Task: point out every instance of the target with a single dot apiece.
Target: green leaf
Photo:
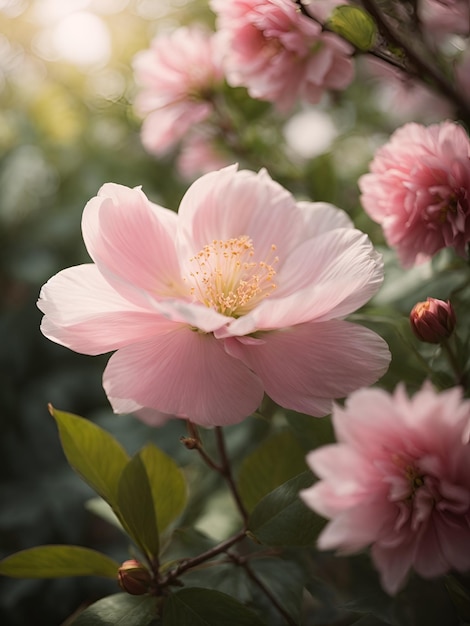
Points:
(120, 609)
(277, 459)
(195, 606)
(282, 519)
(355, 25)
(309, 431)
(56, 561)
(167, 483)
(136, 507)
(93, 453)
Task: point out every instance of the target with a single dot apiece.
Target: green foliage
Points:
(92, 452)
(277, 459)
(136, 508)
(168, 485)
(282, 519)
(120, 610)
(355, 25)
(57, 561)
(205, 607)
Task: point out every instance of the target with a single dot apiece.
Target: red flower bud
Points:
(134, 578)
(433, 321)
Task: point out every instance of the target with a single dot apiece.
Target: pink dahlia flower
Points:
(240, 293)
(418, 189)
(399, 480)
(278, 54)
(177, 76)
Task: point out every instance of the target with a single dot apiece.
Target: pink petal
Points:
(304, 367)
(183, 373)
(320, 217)
(229, 204)
(393, 565)
(132, 242)
(325, 277)
(85, 314)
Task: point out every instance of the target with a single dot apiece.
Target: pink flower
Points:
(418, 189)
(445, 16)
(200, 154)
(398, 479)
(239, 294)
(177, 76)
(279, 54)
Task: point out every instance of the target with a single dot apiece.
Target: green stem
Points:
(460, 377)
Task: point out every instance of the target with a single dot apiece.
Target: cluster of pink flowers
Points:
(177, 77)
(399, 480)
(418, 189)
(279, 54)
(239, 294)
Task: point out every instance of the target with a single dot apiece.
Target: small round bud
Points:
(433, 321)
(134, 578)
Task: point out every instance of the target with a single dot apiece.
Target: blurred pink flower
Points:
(200, 154)
(177, 76)
(239, 294)
(278, 54)
(399, 480)
(442, 17)
(418, 189)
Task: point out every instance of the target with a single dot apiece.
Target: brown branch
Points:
(226, 471)
(242, 562)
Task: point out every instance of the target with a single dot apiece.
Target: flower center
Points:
(228, 279)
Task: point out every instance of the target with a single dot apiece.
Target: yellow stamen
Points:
(228, 279)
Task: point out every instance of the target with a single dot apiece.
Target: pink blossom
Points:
(399, 480)
(200, 154)
(418, 189)
(177, 76)
(441, 17)
(279, 54)
(239, 294)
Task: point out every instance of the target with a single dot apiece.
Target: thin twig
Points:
(187, 564)
(226, 471)
(242, 562)
(423, 69)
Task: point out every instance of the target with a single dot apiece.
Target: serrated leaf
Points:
(167, 483)
(57, 561)
(120, 609)
(195, 606)
(93, 453)
(355, 25)
(282, 519)
(136, 507)
(276, 460)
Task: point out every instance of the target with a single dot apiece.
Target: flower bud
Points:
(134, 578)
(433, 321)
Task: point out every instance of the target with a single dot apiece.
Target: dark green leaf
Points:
(275, 461)
(57, 561)
(93, 453)
(204, 607)
(136, 507)
(311, 432)
(355, 25)
(282, 519)
(167, 483)
(120, 610)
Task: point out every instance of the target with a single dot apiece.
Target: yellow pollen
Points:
(228, 279)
